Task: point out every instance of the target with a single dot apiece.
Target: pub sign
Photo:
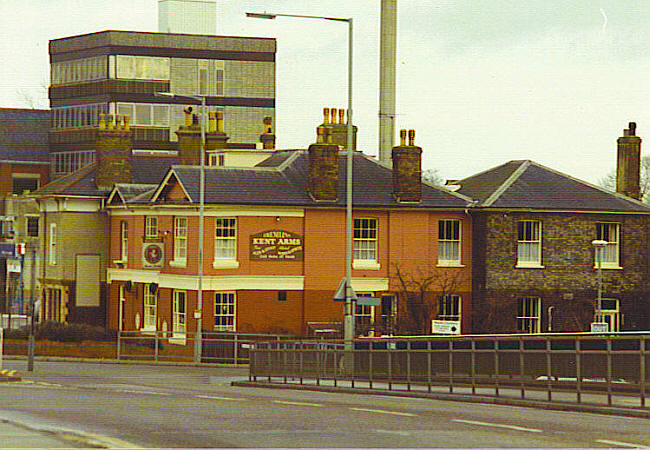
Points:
(274, 245)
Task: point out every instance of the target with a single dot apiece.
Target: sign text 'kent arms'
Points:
(276, 245)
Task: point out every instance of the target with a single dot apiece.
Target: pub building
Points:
(274, 241)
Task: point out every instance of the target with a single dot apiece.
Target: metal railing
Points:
(217, 347)
(576, 367)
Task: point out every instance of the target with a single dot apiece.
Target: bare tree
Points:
(609, 180)
(418, 292)
(432, 176)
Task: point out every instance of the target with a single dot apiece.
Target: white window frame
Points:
(610, 255)
(447, 304)
(151, 227)
(121, 303)
(124, 241)
(363, 313)
(179, 318)
(52, 244)
(610, 316)
(180, 242)
(365, 248)
(225, 243)
(449, 242)
(527, 243)
(150, 306)
(529, 315)
(225, 310)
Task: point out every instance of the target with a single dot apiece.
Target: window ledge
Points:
(225, 264)
(450, 264)
(608, 266)
(366, 265)
(148, 330)
(529, 266)
(178, 263)
(120, 261)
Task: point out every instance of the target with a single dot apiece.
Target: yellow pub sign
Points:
(274, 245)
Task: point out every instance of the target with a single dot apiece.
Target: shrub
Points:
(73, 332)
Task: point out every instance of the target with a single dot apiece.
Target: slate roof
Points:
(282, 180)
(147, 170)
(24, 135)
(525, 184)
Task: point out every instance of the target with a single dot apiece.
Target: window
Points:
(180, 240)
(449, 307)
(151, 227)
(124, 241)
(203, 77)
(609, 255)
(52, 245)
(224, 311)
(7, 228)
(178, 321)
(365, 244)
(150, 306)
(449, 242)
(528, 318)
(219, 78)
(32, 226)
(388, 313)
(364, 316)
(529, 243)
(122, 299)
(225, 239)
(24, 183)
(610, 313)
(221, 160)
(145, 114)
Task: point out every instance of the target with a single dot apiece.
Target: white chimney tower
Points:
(187, 16)
(387, 56)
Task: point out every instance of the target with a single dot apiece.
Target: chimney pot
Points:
(411, 138)
(402, 138)
(102, 121)
(212, 122)
(341, 115)
(333, 115)
(118, 122)
(326, 116)
(126, 122)
(632, 127)
(109, 120)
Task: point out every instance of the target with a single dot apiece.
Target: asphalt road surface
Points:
(182, 406)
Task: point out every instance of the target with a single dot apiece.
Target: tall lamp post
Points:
(348, 323)
(599, 245)
(199, 302)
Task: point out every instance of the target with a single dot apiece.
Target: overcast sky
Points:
(481, 81)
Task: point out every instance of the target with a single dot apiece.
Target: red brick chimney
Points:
(189, 140)
(114, 150)
(628, 163)
(407, 169)
(323, 170)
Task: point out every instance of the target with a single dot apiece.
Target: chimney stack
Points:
(407, 169)
(189, 140)
(114, 149)
(628, 163)
(267, 138)
(215, 138)
(333, 131)
(323, 171)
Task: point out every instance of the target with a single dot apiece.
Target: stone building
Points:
(534, 266)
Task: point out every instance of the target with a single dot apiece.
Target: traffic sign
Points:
(339, 296)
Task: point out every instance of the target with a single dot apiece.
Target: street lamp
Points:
(599, 244)
(348, 323)
(199, 301)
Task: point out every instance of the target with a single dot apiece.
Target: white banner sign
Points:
(445, 326)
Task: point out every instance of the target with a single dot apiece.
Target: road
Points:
(184, 406)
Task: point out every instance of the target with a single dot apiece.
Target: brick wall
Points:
(568, 279)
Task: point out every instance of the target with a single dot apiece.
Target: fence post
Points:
(235, 350)
(429, 366)
(451, 365)
(473, 365)
(496, 367)
(269, 368)
(578, 350)
(548, 369)
(609, 370)
(408, 365)
(521, 366)
(119, 344)
(370, 365)
(390, 364)
(301, 345)
(642, 348)
(155, 334)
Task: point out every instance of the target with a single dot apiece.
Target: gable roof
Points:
(146, 170)
(282, 180)
(24, 135)
(525, 184)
